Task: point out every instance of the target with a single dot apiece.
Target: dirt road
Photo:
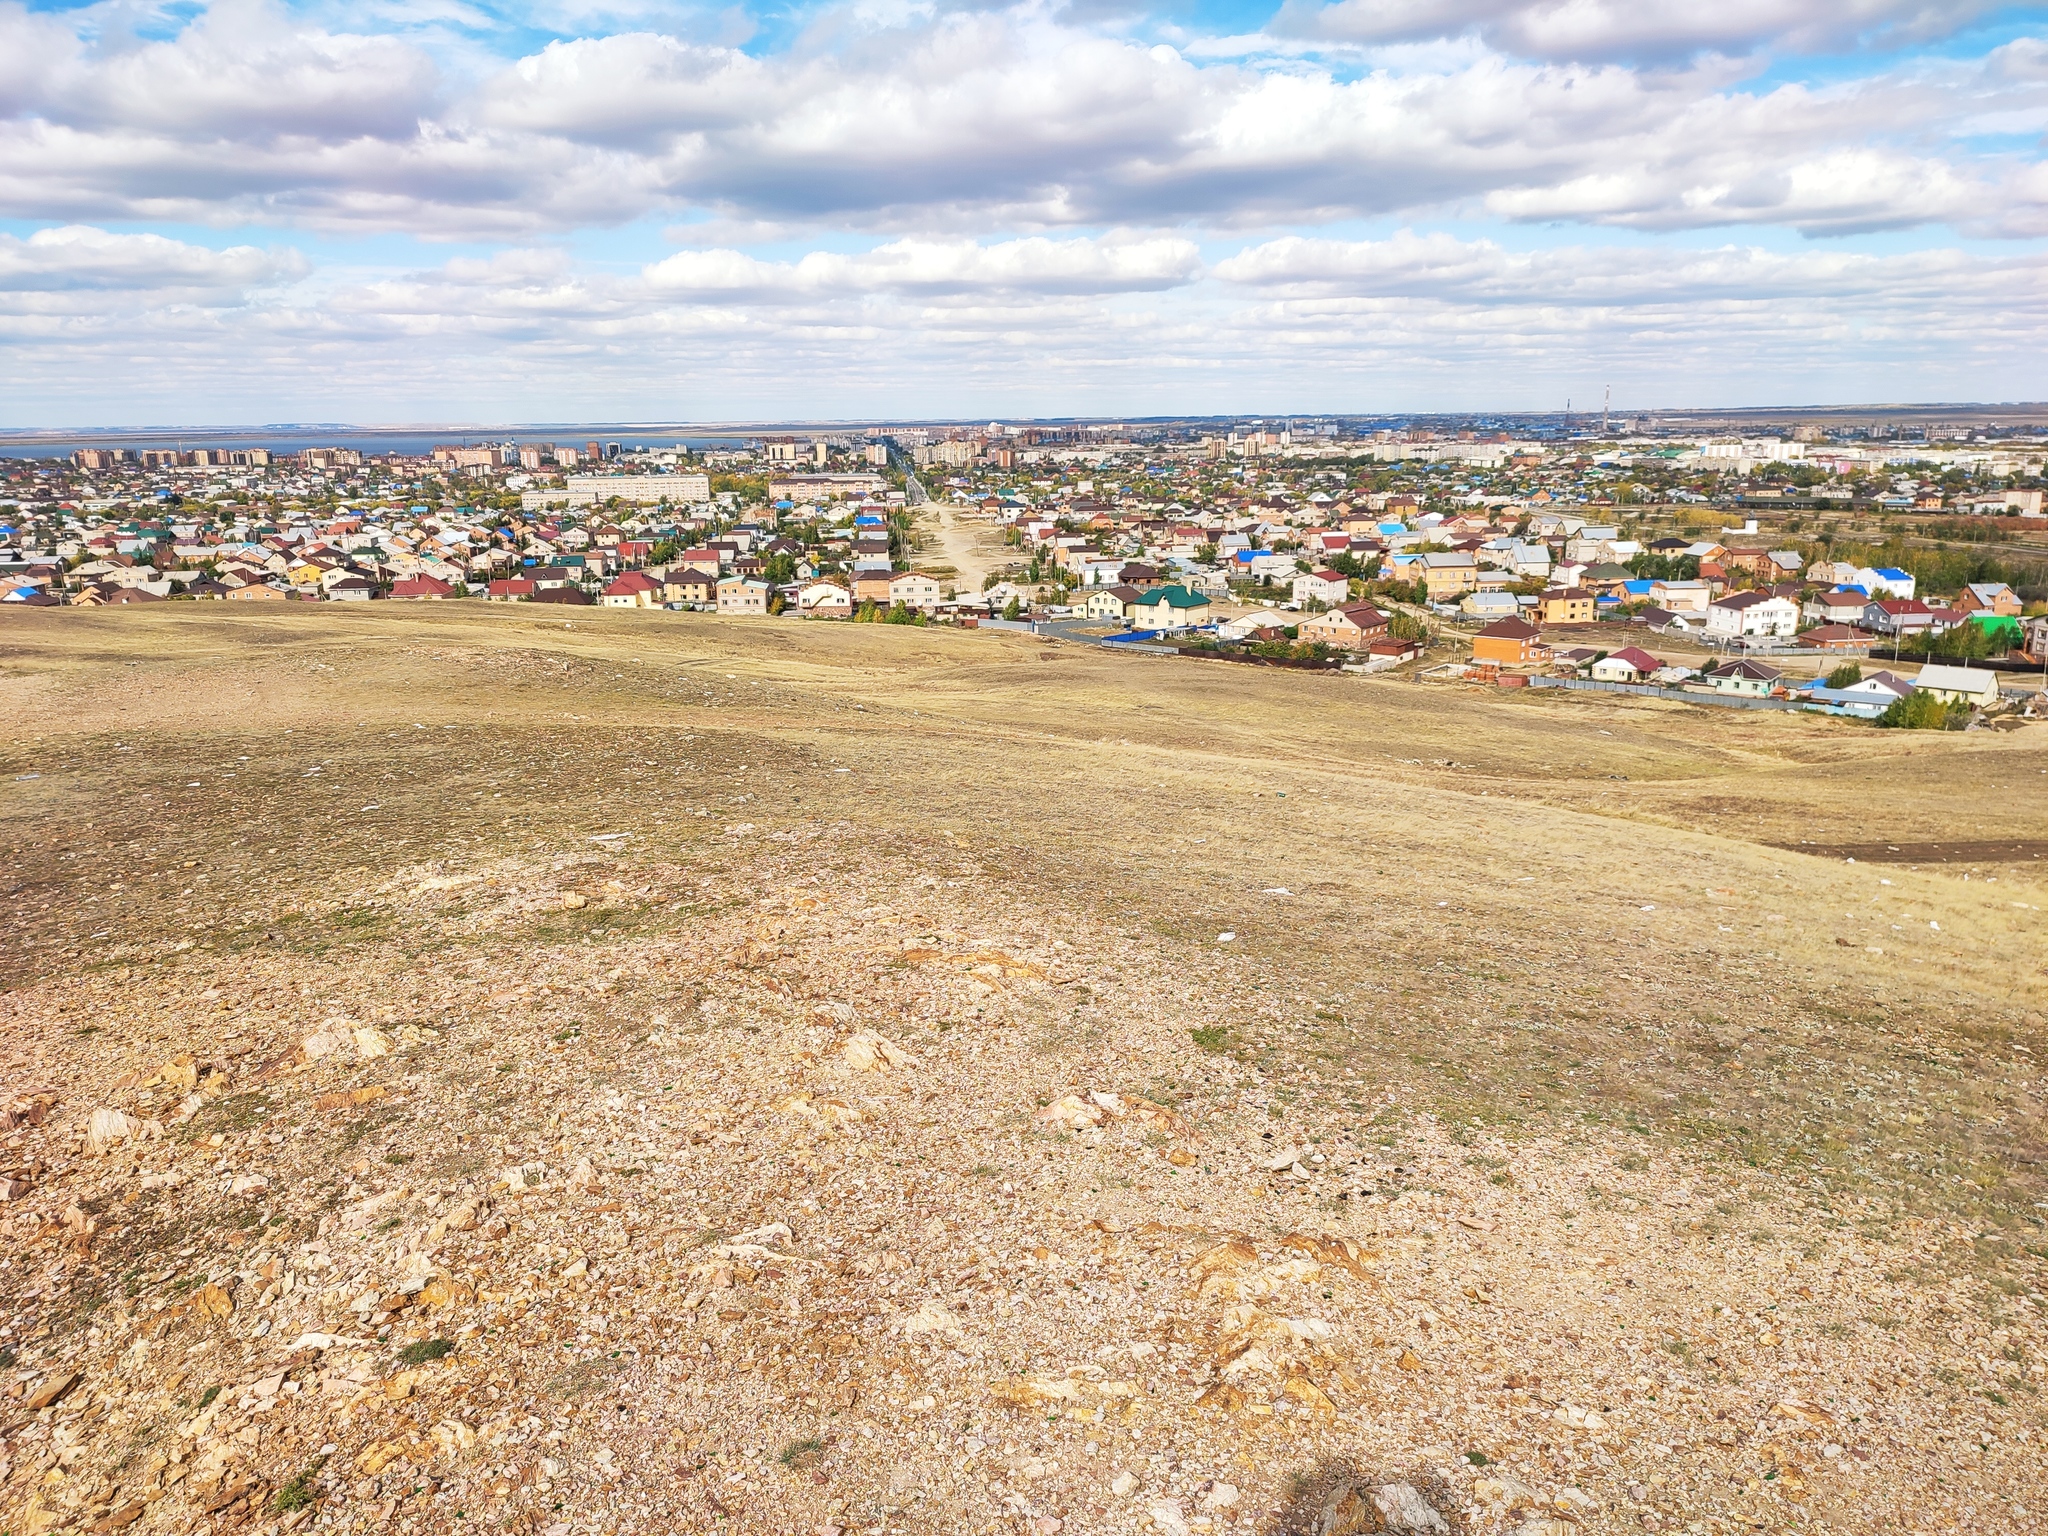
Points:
(970, 547)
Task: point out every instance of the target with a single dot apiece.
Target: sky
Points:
(458, 211)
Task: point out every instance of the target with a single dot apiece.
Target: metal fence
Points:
(1683, 696)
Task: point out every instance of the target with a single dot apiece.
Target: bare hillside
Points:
(472, 1070)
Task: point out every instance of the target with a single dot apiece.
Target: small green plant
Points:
(299, 1492)
(398, 1157)
(800, 1451)
(1211, 1037)
(206, 1398)
(424, 1350)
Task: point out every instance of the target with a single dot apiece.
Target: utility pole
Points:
(1606, 403)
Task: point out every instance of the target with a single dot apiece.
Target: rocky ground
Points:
(789, 1164)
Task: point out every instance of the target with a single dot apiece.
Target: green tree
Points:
(1847, 675)
(1922, 711)
(1012, 608)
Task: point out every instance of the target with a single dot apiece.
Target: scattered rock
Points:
(212, 1301)
(1350, 1509)
(867, 1051)
(349, 1099)
(931, 1317)
(322, 1044)
(51, 1389)
(107, 1128)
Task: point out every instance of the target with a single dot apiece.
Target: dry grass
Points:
(1469, 872)
(1536, 954)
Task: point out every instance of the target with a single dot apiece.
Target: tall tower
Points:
(1606, 401)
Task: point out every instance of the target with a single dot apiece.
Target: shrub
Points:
(801, 1451)
(299, 1492)
(1921, 711)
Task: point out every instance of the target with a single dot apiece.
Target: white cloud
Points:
(96, 264)
(983, 200)
(1126, 324)
(933, 269)
(1635, 29)
(970, 121)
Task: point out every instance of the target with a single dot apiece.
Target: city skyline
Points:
(250, 212)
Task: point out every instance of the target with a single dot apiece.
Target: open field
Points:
(1656, 1166)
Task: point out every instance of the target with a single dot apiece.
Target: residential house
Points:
(914, 589)
(1449, 573)
(1628, 665)
(1391, 653)
(1490, 605)
(700, 559)
(1835, 637)
(1842, 605)
(1884, 581)
(1607, 579)
(351, 589)
(1566, 605)
(1681, 596)
(1665, 622)
(1324, 586)
(743, 595)
(1111, 602)
(1352, 627)
(1959, 685)
(1748, 678)
(1881, 687)
(635, 589)
(1752, 615)
(1171, 607)
(824, 600)
(1511, 643)
(426, 588)
(872, 586)
(1250, 626)
(1903, 616)
(1992, 597)
(689, 585)
(510, 589)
